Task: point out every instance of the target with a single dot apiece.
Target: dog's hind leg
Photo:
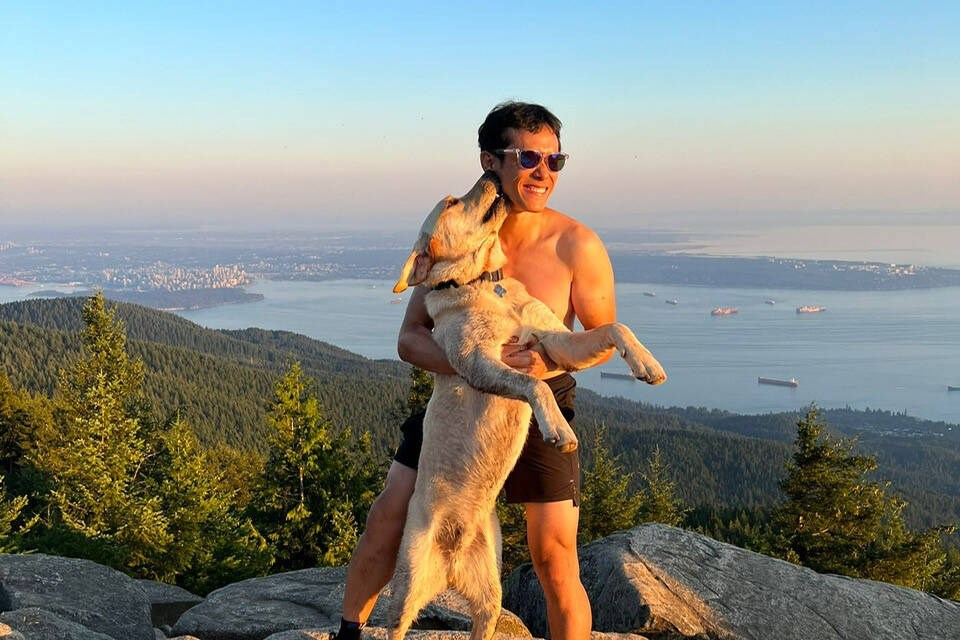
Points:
(485, 372)
(476, 577)
(422, 576)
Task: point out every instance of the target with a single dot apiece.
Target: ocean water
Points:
(896, 351)
(892, 350)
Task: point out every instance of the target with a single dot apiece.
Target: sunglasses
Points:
(530, 159)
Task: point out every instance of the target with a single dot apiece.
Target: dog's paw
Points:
(645, 367)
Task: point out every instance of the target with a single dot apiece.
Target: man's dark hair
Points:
(514, 115)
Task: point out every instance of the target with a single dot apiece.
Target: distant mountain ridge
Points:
(222, 381)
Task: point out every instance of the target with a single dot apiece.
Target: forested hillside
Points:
(221, 380)
(100, 458)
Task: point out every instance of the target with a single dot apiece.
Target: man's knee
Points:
(556, 565)
(552, 538)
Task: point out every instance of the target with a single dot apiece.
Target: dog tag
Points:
(499, 290)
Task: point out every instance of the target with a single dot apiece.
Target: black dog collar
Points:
(486, 276)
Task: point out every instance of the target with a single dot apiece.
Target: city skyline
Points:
(332, 115)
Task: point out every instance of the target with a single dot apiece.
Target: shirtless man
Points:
(565, 265)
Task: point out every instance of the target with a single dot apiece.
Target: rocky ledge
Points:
(653, 582)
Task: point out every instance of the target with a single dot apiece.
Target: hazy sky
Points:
(357, 113)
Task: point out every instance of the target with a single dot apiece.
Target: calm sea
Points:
(881, 350)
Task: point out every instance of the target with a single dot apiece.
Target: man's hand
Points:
(528, 358)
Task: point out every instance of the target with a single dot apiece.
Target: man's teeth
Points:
(536, 189)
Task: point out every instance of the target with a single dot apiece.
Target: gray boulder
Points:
(309, 599)
(36, 624)
(97, 597)
(167, 601)
(666, 582)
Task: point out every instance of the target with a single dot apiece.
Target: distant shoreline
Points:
(183, 300)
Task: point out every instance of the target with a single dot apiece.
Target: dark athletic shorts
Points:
(542, 474)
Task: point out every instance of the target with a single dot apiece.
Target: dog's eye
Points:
(452, 201)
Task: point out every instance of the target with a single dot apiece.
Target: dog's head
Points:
(459, 239)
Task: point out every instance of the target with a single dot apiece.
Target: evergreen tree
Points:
(12, 531)
(421, 388)
(93, 454)
(317, 481)
(607, 503)
(836, 521)
(659, 502)
(513, 534)
(214, 543)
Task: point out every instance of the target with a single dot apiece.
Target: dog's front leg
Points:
(485, 372)
(582, 349)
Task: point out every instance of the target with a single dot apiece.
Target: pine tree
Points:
(659, 502)
(317, 481)
(93, 453)
(421, 388)
(836, 521)
(607, 503)
(11, 529)
(214, 543)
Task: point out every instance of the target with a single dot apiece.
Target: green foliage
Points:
(11, 530)
(658, 501)
(94, 453)
(317, 484)
(836, 521)
(218, 379)
(607, 504)
(610, 503)
(513, 533)
(421, 388)
(213, 543)
(745, 527)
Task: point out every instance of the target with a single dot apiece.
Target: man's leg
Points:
(375, 556)
(552, 538)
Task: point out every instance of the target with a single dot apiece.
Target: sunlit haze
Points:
(347, 114)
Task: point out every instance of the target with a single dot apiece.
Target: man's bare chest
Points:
(545, 276)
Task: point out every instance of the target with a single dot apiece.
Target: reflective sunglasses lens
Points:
(555, 161)
(529, 159)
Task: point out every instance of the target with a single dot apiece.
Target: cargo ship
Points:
(792, 382)
(618, 376)
(952, 388)
(724, 311)
(807, 308)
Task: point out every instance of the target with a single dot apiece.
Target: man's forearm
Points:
(419, 349)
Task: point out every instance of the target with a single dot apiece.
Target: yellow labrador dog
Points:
(476, 422)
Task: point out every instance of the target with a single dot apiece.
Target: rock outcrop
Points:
(310, 599)
(665, 582)
(36, 624)
(79, 591)
(167, 601)
(656, 581)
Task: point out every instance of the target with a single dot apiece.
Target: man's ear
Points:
(486, 160)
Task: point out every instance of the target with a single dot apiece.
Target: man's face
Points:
(528, 189)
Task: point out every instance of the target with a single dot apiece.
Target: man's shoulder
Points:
(576, 242)
(569, 228)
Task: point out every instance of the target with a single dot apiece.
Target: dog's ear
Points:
(415, 271)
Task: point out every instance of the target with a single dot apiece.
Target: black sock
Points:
(349, 630)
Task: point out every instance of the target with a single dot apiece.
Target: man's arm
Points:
(415, 343)
(591, 290)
